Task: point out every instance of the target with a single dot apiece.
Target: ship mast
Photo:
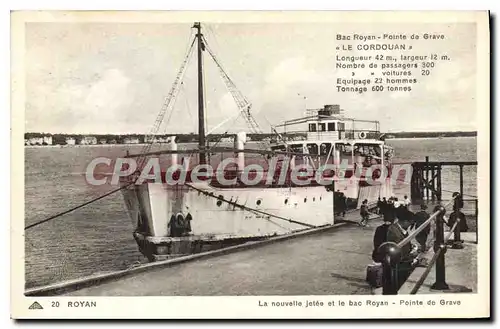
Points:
(201, 110)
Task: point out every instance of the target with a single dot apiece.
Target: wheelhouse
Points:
(331, 138)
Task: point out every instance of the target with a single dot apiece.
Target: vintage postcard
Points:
(242, 165)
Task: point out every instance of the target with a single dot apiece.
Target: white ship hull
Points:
(221, 216)
(225, 215)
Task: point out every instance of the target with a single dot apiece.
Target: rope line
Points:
(142, 157)
(250, 209)
(77, 207)
(465, 194)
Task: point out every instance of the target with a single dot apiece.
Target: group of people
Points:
(398, 219)
(388, 209)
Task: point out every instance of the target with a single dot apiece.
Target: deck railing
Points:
(392, 252)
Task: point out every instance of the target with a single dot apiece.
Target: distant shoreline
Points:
(141, 144)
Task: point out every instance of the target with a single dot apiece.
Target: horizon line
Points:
(249, 133)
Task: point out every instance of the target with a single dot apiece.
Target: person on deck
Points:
(390, 231)
(389, 213)
(420, 218)
(340, 203)
(383, 207)
(343, 203)
(379, 237)
(365, 215)
(457, 214)
(379, 206)
(405, 216)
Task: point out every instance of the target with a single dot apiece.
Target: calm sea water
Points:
(98, 238)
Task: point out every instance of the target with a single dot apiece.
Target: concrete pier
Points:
(461, 270)
(330, 262)
(327, 261)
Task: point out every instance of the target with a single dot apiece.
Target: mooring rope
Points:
(77, 207)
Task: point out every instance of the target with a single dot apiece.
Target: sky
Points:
(113, 77)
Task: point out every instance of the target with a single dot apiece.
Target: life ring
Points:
(362, 135)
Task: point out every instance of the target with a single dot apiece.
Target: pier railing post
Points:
(439, 244)
(477, 220)
(335, 203)
(391, 255)
(457, 240)
(457, 206)
(427, 178)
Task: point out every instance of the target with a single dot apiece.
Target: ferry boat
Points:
(176, 219)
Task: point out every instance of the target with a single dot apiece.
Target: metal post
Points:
(461, 179)
(477, 221)
(439, 185)
(439, 243)
(457, 241)
(333, 191)
(201, 110)
(433, 185)
(414, 187)
(421, 182)
(427, 178)
(391, 255)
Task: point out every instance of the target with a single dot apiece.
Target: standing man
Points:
(458, 215)
(379, 206)
(420, 218)
(365, 215)
(343, 203)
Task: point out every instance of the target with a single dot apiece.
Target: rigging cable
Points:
(241, 101)
(172, 95)
(150, 137)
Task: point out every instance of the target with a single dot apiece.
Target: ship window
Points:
(259, 201)
(312, 148)
(341, 126)
(321, 127)
(325, 148)
(278, 148)
(312, 127)
(286, 201)
(331, 126)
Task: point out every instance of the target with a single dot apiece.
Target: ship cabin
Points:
(331, 138)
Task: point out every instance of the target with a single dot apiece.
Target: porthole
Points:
(305, 200)
(259, 201)
(286, 201)
(219, 203)
(314, 199)
(320, 198)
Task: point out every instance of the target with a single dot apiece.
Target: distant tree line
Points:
(431, 134)
(193, 138)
